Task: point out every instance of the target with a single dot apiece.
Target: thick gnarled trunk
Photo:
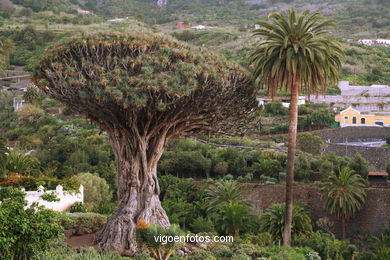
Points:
(138, 192)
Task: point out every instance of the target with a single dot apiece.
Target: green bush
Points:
(326, 245)
(201, 224)
(310, 143)
(84, 220)
(78, 207)
(202, 255)
(264, 239)
(24, 232)
(222, 251)
(291, 253)
(272, 221)
(96, 190)
(388, 140)
(275, 108)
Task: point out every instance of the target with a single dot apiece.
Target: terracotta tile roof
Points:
(378, 174)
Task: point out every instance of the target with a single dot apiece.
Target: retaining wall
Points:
(372, 219)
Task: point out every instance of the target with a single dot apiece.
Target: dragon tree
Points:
(144, 89)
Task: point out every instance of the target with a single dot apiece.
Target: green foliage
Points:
(223, 193)
(326, 245)
(296, 44)
(24, 232)
(233, 217)
(96, 190)
(51, 197)
(302, 167)
(159, 250)
(291, 253)
(59, 250)
(263, 239)
(388, 140)
(20, 163)
(272, 221)
(202, 255)
(179, 199)
(84, 220)
(388, 168)
(32, 183)
(310, 143)
(360, 165)
(201, 224)
(78, 207)
(344, 193)
(3, 156)
(275, 108)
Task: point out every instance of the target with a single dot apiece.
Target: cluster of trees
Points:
(192, 159)
(310, 117)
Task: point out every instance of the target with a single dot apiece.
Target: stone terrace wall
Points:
(372, 219)
(376, 156)
(354, 134)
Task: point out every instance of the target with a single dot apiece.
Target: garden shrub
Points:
(310, 143)
(264, 239)
(222, 251)
(78, 207)
(272, 221)
(201, 224)
(275, 108)
(24, 232)
(96, 190)
(325, 244)
(202, 255)
(146, 236)
(253, 251)
(291, 253)
(84, 220)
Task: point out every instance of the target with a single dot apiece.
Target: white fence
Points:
(66, 198)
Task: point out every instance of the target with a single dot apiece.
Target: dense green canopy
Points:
(122, 77)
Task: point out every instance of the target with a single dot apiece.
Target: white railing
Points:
(66, 198)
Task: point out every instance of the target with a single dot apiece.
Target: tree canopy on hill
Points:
(144, 89)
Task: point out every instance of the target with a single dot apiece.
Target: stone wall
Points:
(372, 219)
(376, 156)
(354, 134)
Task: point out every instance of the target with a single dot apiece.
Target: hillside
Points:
(357, 18)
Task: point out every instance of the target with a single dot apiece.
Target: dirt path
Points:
(86, 240)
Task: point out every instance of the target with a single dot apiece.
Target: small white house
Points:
(199, 27)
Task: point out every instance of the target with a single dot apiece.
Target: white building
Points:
(285, 100)
(18, 103)
(66, 198)
(375, 42)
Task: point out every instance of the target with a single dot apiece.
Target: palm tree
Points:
(296, 53)
(233, 217)
(344, 194)
(31, 95)
(273, 221)
(20, 163)
(223, 193)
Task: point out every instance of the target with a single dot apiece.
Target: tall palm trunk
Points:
(292, 144)
(343, 228)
